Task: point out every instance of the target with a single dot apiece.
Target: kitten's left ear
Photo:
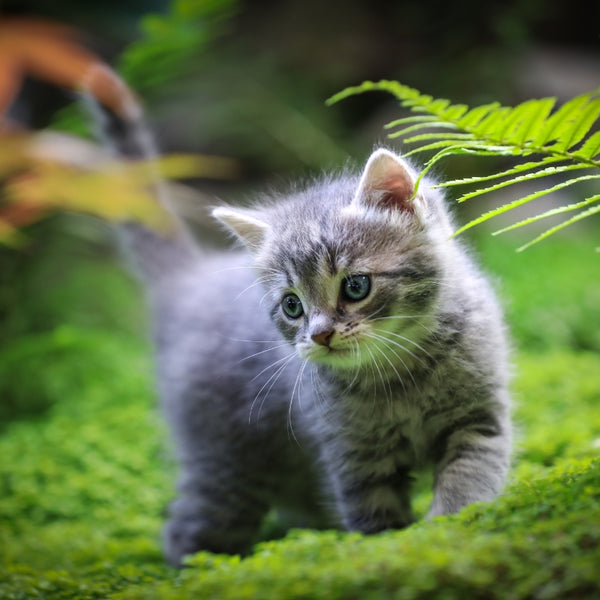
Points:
(249, 229)
(387, 182)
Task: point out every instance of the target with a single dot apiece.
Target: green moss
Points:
(85, 471)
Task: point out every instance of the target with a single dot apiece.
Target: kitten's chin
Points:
(332, 357)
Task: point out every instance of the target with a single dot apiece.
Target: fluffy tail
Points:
(125, 133)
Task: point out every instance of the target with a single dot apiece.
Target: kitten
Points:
(349, 344)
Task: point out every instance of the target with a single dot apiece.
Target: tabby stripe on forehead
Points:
(330, 257)
(412, 273)
(305, 263)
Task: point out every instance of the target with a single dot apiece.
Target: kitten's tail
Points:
(125, 133)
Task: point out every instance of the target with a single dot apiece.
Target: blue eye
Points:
(292, 306)
(356, 287)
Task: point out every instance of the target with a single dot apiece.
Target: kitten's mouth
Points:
(327, 354)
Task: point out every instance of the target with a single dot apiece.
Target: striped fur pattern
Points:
(349, 345)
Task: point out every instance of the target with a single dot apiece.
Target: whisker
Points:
(391, 317)
(272, 380)
(280, 360)
(370, 317)
(384, 382)
(246, 267)
(412, 342)
(356, 351)
(290, 425)
(387, 343)
(381, 336)
(259, 281)
(394, 366)
(248, 341)
(261, 352)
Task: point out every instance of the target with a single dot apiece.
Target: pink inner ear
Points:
(396, 193)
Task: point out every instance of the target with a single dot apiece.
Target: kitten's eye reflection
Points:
(356, 287)
(292, 306)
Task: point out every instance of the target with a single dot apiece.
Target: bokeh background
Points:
(248, 79)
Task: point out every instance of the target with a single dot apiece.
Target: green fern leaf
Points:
(550, 213)
(529, 177)
(512, 128)
(476, 115)
(591, 148)
(419, 126)
(520, 201)
(458, 137)
(528, 166)
(540, 109)
(534, 127)
(454, 112)
(582, 215)
(407, 120)
(560, 121)
(581, 126)
(489, 127)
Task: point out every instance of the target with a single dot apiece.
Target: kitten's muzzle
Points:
(322, 337)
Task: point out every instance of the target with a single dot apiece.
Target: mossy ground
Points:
(85, 471)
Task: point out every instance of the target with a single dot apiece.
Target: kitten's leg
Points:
(218, 510)
(373, 503)
(473, 467)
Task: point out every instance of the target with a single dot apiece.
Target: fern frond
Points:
(582, 215)
(520, 201)
(534, 127)
(529, 177)
(550, 213)
(421, 125)
(528, 166)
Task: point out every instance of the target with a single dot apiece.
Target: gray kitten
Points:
(350, 343)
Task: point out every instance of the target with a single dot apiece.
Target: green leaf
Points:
(550, 213)
(520, 201)
(406, 120)
(517, 169)
(582, 215)
(454, 150)
(512, 125)
(591, 148)
(459, 137)
(418, 126)
(558, 122)
(581, 125)
(532, 127)
(476, 115)
(454, 112)
(528, 177)
(477, 148)
(489, 127)
(438, 107)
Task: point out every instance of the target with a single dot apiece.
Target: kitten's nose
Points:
(322, 337)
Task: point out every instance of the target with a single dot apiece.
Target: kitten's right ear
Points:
(387, 182)
(249, 229)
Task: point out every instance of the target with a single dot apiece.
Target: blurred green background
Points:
(85, 471)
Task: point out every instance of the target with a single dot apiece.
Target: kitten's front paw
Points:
(376, 521)
(180, 539)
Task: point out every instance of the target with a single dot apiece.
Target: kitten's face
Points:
(353, 302)
(350, 271)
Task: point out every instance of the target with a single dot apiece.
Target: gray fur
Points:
(262, 416)
(265, 413)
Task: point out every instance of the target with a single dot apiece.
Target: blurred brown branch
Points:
(46, 171)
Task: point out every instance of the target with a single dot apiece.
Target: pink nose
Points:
(322, 337)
